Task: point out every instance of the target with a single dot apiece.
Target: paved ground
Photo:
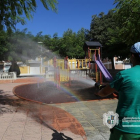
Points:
(90, 116)
(24, 120)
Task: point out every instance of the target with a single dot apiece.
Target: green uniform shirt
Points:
(127, 83)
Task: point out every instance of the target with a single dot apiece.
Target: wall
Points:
(24, 69)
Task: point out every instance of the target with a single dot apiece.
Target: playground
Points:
(62, 83)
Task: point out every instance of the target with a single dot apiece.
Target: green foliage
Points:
(104, 28)
(127, 15)
(11, 11)
(72, 44)
(50, 3)
(100, 25)
(22, 45)
(3, 42)
(19, 46)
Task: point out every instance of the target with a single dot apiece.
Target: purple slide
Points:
(103, 69)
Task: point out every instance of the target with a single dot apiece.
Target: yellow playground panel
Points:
(78, 63)
(72, 64)
(59, 63)
(64, 75)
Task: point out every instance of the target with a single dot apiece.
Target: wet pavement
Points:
(25, 120)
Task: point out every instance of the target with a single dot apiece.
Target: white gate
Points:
(35, 69)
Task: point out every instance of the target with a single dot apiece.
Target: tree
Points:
(67, 43)
(48, 48)
(80, 40)
(72, 44)
(55, 44)
(104, 29)
(11, 11)
(3, 44)
(39, 37)
(127, 15)
(21, 47)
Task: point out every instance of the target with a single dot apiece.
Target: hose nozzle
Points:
(99, 86)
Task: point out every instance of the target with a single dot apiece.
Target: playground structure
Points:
(93, 53)
(65, 70)
(92, 50)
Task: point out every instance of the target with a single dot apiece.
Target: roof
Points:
(92, 44)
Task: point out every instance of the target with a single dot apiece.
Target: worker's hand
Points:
(98, 86)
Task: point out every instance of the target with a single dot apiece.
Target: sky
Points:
(72, 14)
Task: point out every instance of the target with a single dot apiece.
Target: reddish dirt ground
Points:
(47, 92)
